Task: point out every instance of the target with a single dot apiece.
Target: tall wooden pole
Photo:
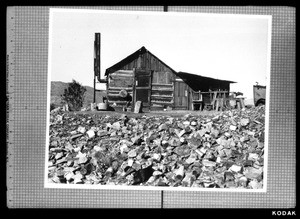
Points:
(94, 89)
(96, 61)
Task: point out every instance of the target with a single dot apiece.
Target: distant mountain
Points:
(58, 88)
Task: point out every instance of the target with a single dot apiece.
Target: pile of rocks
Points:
(224, 150)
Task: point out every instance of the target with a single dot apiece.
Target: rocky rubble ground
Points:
(223, 150)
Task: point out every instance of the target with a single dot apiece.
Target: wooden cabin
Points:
(143, 77)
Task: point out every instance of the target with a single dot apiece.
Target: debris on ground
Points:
(221, 150)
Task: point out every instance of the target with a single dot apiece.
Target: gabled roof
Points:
(132, 57)
(193, 80)
(196, 81)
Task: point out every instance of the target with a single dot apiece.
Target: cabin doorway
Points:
(181, 95)
(143, 88)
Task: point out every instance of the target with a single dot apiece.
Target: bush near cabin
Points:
(74, 95)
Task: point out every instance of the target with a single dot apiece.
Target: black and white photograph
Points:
(157, 101)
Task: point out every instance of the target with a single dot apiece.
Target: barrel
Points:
(123, 93)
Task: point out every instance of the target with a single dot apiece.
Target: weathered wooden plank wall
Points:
(181, 97)
(162, 81)
(117, 81)
(162, 92)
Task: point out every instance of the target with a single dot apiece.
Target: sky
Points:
(227, 47)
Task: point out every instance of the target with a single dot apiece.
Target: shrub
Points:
(74, 95)
(52, 106)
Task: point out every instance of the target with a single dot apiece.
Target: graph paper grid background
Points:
(28, 123)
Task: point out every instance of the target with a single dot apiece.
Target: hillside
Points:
(58, 87)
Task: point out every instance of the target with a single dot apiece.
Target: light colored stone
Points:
(162, 127)
(151, 179)
(62, 160)
(227, 134)
(186, 123)
(95, 129)
(157, 173)
(130, 162)
(252, 173)
(90, 133)
(193, 123)
(136, 165)
(73, 132)
(77, 149)
(251, 133)
(203, 150)
(235, 168)
(232, 127)
(124, 148)
(215, 118)
(77, 177)
(190, 160)
(244, 122)
(208, 163)
(181, 133)
(69, 175)
(199, 153)
(253, 156)
(59, 118)
(55, 179)
(156, 156)
(50, 163)
(102, 133)
(82, 157)
(97, 148)
(81, 129)
(243, 181)
(219, 140)
(57, 109)
(254, 184)
(59, 155)
(132, 153)
(116, 125)
(188, 179)
(182, 139)
(218, 160)
(201, 132)
(69, 146)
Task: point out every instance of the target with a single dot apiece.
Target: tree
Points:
(74, 95)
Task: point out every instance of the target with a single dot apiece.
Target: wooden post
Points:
(133, 90)
(187, 97)
(96, 61)
(222, 104)
(238, 105)
(138, 107)
(94, 100)
(217, 105)
(242, 103)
